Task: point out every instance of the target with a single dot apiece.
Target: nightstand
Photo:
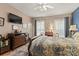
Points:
(4, 45)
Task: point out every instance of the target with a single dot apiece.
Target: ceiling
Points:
(59, 8)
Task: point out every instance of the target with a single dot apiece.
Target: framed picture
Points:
(18, 27)
(14, 27)
(1, 21)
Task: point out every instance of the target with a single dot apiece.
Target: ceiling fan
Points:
(43, 7)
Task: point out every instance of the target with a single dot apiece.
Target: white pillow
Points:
(76, 36)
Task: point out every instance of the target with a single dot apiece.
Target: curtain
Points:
(67, 24)
(40, 28)
(60, 27)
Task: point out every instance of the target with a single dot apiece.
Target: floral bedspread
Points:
(53, 46)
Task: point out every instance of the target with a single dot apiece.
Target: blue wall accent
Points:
(75, 18)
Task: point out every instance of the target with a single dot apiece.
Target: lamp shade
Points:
(73, 28)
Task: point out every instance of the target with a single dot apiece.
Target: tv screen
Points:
(14, 18)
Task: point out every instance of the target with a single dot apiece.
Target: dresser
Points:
(17, 40)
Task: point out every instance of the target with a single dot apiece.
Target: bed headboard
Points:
(49, 33)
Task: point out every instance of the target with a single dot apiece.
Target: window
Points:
(40, 28)
(60, 27)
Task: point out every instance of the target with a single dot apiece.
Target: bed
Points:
(54, 46)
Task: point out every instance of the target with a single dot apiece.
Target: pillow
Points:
(76, 36)
(49, 33)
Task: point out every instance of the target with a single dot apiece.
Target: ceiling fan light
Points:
(45, 8)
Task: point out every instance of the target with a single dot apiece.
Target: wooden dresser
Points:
(17, 40)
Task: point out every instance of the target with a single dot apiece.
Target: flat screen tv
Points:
(14, 18)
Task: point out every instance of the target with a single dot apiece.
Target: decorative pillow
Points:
(76, 36)
(49, 33)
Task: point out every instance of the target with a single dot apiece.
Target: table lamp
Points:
(73, 29)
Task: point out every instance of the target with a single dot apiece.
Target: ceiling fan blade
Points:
(49, 6)
(43, 7)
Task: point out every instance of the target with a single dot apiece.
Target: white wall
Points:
(7, 28)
